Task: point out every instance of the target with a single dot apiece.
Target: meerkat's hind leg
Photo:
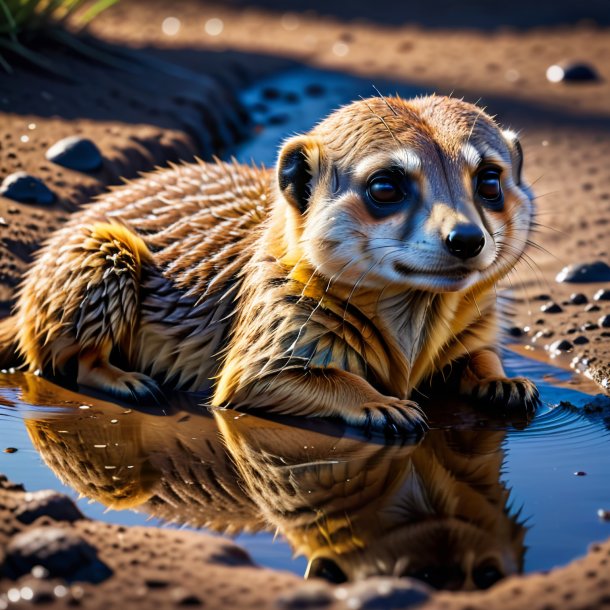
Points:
(104, 298)
(95, 371)
(484, 379)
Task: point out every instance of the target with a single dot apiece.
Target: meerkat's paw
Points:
(507, 393)
(393, 417)
(125, 385)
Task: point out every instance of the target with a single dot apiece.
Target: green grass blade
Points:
(93, 11)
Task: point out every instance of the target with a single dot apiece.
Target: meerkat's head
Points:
(424, 194)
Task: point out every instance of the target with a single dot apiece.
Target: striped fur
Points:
(292, 297)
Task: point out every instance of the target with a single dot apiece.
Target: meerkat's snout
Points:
(465, 241)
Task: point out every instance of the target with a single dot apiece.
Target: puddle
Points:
(504, 494)
(478, 498)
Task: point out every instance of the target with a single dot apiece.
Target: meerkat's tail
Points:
(9, 353)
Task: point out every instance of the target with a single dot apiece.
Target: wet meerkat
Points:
(332, 285)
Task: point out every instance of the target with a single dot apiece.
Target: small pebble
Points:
(562, 345)
(603, 514)
(572, 72)
(589, 326)
(604, 321)
(578, 298)
(542, 297)
(24, 188)
(597, 271)
(602, 295)
(551, 307)
(580, 473)
(580, 340)
(592, 307)
(515, 331)
(10, 450)
(77, 153)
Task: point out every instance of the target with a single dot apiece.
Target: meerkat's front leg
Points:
(484, 379)
(328, 392)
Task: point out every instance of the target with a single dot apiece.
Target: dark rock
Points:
(384, 593)
(61, 551)
(602, 295)
(592, 307)
(49, 504)
(580, 340)
(604, 321)
(578, 298)
(77, 153)
(543, 297)
(563, 345)
(589, 326)
(603, 514)
(597, 271)
(311, 594)
(580, 473)
(551, 307)
(572, 72)
(26, 189)
(10, 450)
(515, 331)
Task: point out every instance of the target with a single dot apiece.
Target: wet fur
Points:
(285, 295)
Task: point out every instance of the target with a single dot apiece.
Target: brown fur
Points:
(214, 277)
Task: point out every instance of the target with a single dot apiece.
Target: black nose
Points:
(465, 241)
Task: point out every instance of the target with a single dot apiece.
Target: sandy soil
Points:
(138, 123)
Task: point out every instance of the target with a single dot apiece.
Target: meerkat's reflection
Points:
(437, 511)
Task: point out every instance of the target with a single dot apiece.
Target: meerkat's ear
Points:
(298, 168)
(516, 153)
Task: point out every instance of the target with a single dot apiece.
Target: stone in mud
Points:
(597, 271)
(604, 321)
(578, 298)
(563, 345)
(603, 514)
(62, 552)
(580, 340)
(77, 153)
(551, 307)
(47, 503)
(572, 72)
(384, 593)
(592, 307)
(24, 188)
(311, 594)
(515, 331)
(602, 295)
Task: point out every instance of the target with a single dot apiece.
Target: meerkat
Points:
(333, 285)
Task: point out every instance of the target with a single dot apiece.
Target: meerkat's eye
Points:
(489, 188)
(385, 187)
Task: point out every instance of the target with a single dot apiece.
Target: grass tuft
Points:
(22, 20)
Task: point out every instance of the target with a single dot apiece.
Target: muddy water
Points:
(477, 498)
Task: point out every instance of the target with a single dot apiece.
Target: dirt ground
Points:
(181, 101)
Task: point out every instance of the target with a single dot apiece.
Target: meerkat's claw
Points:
(394, 419)
(507, 393)
(130, 386)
